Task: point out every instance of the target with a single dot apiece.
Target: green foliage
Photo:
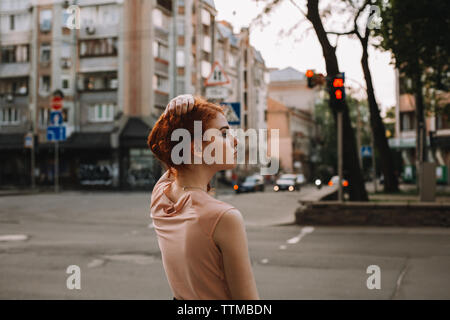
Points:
(326, 146)
(417, 34)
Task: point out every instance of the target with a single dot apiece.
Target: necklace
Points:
(185, 187)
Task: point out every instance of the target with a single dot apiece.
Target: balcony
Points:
(98, 64)
(14, 69)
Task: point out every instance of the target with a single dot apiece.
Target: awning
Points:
(9, 141)
(134, 134)
(84, 140)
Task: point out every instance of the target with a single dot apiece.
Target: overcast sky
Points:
(302, 50)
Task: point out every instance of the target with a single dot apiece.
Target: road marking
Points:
(264, 261)
(96, 263)
(283, 247)
(14, 237)
(303, 232)
(151, 226)
(399, 280)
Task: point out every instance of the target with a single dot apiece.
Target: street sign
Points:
(366, 151)
(28, 141)
(217, 77)
(217, 92)
(232, 112)
(56, 118)
(56, 133)
(56, 103)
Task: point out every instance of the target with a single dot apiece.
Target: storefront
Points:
(139, 169)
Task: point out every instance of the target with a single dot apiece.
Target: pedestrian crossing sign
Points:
(217, 77)
(232, 112)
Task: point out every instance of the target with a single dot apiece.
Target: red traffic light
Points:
(338, 94)
(337, 82)
(309, 73)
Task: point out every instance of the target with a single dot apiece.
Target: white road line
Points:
(14, 237)
(303, 232)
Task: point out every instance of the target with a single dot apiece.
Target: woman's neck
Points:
(194, 179)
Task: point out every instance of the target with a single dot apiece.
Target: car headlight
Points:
(291, 188)
(276, 188)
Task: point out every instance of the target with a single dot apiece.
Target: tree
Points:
(416, 33)
(351, 161)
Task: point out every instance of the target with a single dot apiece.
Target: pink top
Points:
(192, 261)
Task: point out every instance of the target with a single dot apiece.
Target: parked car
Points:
(286, 182)
(251, 184)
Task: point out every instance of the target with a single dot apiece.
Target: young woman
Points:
(203, 241)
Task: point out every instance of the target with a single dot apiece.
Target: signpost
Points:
(29, 144)
(57, 131)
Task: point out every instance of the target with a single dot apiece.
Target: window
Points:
(180, 28)
(101, 112)
(44, 117)
(160, 50)
(44, 84)
(160, 20)
(206, 17)
(65, 83)
(16, 53)
(180, 58)
(207, 43)
(160, 83)
(407, 121)
(65, 50)
(98, 82)
(16, 86)
(98, 47)
(206, 68)
(11, 23)
(45, 20)
(45, 53)
(231, 60)
(8, 55)
(9, 116)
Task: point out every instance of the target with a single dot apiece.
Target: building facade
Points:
(437, 130)
(117, 73)
(288, 87)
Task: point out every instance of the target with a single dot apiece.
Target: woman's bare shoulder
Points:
(231, 222)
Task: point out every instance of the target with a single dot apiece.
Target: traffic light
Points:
(309, 76)
(337, 87)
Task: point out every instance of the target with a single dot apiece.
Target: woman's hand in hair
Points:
(180, 105)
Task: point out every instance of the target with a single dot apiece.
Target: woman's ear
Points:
(196, 150)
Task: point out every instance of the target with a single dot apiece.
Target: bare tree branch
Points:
(298, 7)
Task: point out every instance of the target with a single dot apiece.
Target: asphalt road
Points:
(110, 237)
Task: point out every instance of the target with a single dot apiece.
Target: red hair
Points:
(159, 139)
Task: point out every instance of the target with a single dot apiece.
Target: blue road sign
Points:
(234, 112)
(56, 118)
(366, 151)
(56, 133)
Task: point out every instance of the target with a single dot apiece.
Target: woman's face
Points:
(220, 141)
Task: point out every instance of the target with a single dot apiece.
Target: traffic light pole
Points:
(340, 154)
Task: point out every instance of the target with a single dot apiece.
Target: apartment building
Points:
(117, 73)
(437, 127)
(16, 87)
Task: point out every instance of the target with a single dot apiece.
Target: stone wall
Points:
(374, 214)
